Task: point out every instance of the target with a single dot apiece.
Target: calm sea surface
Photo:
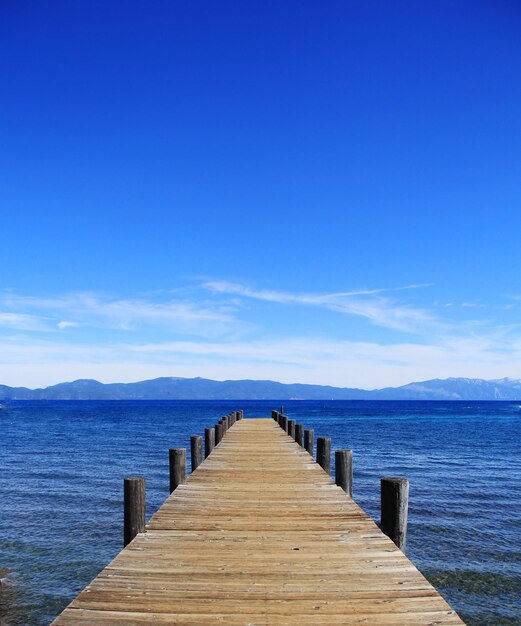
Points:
(62, 466)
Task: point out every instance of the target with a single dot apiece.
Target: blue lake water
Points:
(62, 466)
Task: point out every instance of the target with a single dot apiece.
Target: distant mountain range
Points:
(205, 389)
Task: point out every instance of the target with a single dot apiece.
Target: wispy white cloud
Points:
(64, 324)
(472, 305)
(368, 303)
(22, 321)
(102, 311)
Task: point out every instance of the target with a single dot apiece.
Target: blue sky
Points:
(307, 191)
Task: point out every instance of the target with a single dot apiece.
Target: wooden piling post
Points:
(291, 428)
(209, 441)
(177, 467)
(196, 451)
(274, 415)
(344, 470)
(309, 440)
(324, 453)
(284, 424)
(134, 507)
(394, 499)
(298, 433)
(218, 433)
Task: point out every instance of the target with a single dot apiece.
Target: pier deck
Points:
(260, 534)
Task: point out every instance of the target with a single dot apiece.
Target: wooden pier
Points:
(260, 534)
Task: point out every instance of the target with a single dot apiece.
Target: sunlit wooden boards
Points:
(260, 534)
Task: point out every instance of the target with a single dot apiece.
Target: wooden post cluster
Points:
(394, 492)
(294, 430)
(394, 500)
(229, 420)
(283, 421)
(134, 487)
